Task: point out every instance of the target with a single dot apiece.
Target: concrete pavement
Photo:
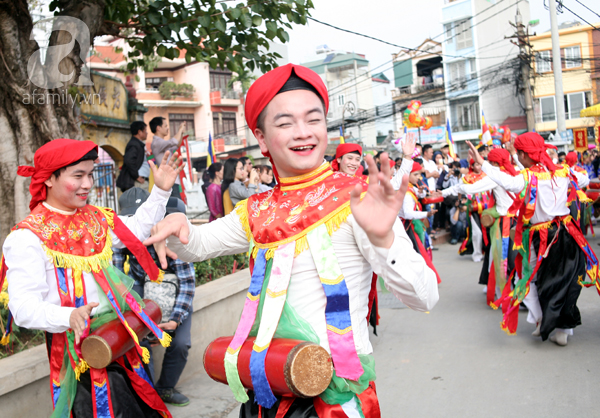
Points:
(457, 362)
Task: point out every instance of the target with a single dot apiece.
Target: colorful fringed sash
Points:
(300, 213)
(81, 243)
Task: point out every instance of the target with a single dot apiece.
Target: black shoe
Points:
(173, 397)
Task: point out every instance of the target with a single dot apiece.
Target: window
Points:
(574, 103)
(572, 56)
(543, 61)
(448, 30)
(219, 80)
(340, 100)
(463, 34)
(472, 69)
(175, 121)
(224, 124)
(154, 82)
(457, 72)
(548, 109)
(467, 116)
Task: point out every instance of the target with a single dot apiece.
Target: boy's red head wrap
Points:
(47, 159)
(342, 150)
(533, 145)
(502, 157)
(571, 158)
(416, 167)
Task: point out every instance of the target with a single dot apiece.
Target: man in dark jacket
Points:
(134, 157)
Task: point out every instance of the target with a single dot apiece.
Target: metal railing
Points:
(228, 93)
(415, 89)
(104, 192)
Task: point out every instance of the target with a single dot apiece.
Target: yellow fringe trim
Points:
(146, 355)
(81, 368)
(543, 225)
(109, 216)
(493, 306)
(563, 172)
(5, 340)
(583, 197)
(165, 341)
(270, 253)
(87, 264)
(333, 222)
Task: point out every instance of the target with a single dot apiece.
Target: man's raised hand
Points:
(175, 225)
(408, 146)
(474, 154)
(378, 210)
(166, 174)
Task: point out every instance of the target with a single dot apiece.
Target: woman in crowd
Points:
(233, 188)
(213, 191)
(266, 178)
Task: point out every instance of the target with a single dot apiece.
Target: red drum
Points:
(594, 195)
(594, 185)
(111, 340)
(294, 367)
(431, 200)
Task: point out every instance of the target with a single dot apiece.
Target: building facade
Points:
(580, 50)
(481, 66)
(350, 85)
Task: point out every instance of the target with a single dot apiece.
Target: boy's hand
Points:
(80, 318)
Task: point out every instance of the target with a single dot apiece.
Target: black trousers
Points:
(301, 408)
(557, 280)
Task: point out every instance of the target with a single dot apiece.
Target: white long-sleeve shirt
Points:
(551, 194)
(404, 271)
(34, 300)
(503, 199)
(405, 168)
(408, 207)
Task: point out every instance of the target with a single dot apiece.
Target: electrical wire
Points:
(572, 12)
(587, 8)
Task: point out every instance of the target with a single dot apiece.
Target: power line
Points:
(587, 8)
(572, 12)
(391, 43)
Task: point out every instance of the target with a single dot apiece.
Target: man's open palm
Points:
(378, 210)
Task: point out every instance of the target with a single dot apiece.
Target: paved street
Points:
(457, 362)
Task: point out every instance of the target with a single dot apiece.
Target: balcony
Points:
(225, 97)
(405, 92)
(466, 127)
(231, 139)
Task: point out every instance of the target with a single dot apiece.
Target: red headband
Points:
(47, 159)
(533, 145)
(416, 167)
(342, 150)
(502, 157)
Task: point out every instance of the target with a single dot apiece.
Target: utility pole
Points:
(556, 63)
(525, 57)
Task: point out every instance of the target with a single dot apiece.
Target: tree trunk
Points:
(30, 116)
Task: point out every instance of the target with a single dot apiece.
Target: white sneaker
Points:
(559, 338)
(485, 289)
(537, 332)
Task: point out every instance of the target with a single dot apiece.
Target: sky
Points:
(401, 22)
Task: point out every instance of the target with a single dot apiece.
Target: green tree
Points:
(222, 33)
(244, 77)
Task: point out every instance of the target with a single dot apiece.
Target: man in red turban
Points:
(347, 159)
(58, 262)
(314, 225)
(547, 234)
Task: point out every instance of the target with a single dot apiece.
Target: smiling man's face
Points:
(294, 132)
(71, 188)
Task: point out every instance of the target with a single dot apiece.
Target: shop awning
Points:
(591, 111)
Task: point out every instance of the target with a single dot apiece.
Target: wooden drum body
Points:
(111, 340)
(294, 367)
(429, 200)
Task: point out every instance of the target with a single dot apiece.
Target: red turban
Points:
(342, 150)
(54, 155)
(502, 157)
(571, 158)
(533, 145)
(267, 86)
(416, 167)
